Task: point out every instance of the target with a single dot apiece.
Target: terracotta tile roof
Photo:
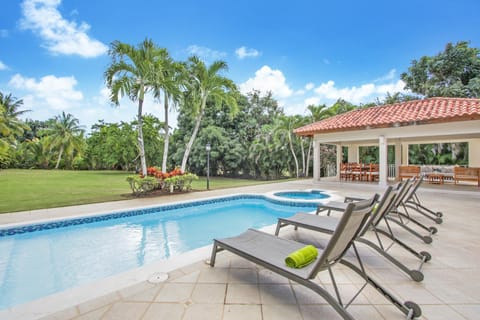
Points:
(432, 110)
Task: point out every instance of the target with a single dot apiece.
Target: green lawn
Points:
(38, 189)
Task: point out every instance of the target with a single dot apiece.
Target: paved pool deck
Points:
(185, 287)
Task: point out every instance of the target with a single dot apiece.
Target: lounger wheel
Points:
(416, 275)
(414, 310)
(427, 239)
(427, 256)
(433, 230)
(438, 220)
(439, 214)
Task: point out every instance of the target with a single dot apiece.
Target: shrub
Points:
(142, 185)
(180, 182)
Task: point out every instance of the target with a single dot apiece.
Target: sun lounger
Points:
(328, 224)
(412, 201)
(270, 252)
(403, 219)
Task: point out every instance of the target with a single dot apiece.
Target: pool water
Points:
(36, 264)
(303, 195)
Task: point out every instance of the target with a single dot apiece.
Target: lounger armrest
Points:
(352, 199)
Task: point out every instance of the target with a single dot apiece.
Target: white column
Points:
(316, 160)
(398, 157)
(353, 153)
(339, 160)
(383, 165)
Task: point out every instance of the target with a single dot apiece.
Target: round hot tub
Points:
(303, 195)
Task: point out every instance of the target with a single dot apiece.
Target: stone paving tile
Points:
(147, 295)
(204, 312)
(436, 312)
(315, 312)
(209, 293)
(99, 302)
(237, 275)
(243, 293)
(470, 312)
(276, 294)
(93, 315)
(213, 275)
(126, 311)
(242, 312)
(171, 311)
(280, 311)
(175, 292)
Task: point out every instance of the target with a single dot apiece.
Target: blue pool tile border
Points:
(130, 213)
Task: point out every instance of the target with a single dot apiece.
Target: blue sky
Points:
(53, 52)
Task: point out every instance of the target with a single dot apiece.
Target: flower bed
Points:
(175, 180)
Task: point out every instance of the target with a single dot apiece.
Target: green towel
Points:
(301, 257)
(374, 210)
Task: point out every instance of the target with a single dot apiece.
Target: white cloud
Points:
(3, 66)
(328, 92)
(206, 53)
(50, 92)
(313, 100)
(3, 33)
(244, 52)
(267, 79)
(389, 76)
(60, 36)
(309, 86)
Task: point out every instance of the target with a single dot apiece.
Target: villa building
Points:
(433, 120)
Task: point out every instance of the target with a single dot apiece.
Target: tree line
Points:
(250, 135)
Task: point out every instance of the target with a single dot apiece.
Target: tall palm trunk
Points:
(309, 155)
(194, 135)
(167, 136)
(59, 157)
(293, 153)
(303, 156)
(141, 147)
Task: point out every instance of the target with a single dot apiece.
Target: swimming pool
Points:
(303, 195)
(42, 259)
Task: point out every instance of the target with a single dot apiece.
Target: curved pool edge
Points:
(332, 196)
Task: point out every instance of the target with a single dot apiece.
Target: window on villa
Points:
(438, 153)
(370, 154)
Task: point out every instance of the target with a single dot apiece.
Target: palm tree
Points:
(133, 73)
(169, 80)
(65, 134)
(205, 83)
(10, 125)
(10, 113)
(283, 130)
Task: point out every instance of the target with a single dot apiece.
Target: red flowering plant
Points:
(161, 176)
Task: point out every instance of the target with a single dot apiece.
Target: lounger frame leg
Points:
(416, 275)
(426, 239)
(425, 211)
(407, 215)
(424, 256)
(410, 309)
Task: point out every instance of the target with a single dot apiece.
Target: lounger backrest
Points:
(350, 224)
(402, 192)
(415, 185)
(384, 206)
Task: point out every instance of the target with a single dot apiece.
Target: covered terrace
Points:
(433, 120)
